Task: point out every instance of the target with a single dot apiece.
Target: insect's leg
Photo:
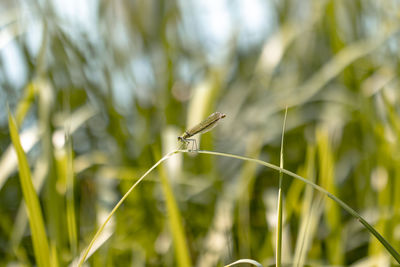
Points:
(194, 144)
(183, 145)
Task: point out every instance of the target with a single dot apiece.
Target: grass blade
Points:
(71, 218)
(335, 239)
(39, 239)
(311, 211)
(248, 261)
(26, 102)
(279, 222)
(65, 185)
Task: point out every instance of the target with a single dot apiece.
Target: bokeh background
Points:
(101, 90)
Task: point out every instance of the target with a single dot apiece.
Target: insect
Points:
(202, 127)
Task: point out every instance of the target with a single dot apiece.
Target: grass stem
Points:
(279, 222)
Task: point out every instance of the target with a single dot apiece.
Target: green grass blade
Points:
(26, 102)
(279, 222)
(65, 184)
(334, 240)
(39, 239)
(71, 218)
(310, 211)
(175, 220)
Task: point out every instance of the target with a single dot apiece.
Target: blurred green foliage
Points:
(101, 89)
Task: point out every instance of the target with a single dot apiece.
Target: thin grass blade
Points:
(280, 200)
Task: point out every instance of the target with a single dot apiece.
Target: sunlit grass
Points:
(93, 105)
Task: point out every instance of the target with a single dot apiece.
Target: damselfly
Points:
(202, 127)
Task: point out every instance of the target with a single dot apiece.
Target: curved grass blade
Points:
(253, 262)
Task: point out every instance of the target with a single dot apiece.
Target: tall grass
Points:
(96, 96)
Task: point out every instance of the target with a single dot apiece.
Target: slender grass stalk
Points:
(381, 239)
(279, 222)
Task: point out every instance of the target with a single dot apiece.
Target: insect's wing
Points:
(206, 125)
(209, 127)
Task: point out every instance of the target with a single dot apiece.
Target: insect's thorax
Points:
(185, 135)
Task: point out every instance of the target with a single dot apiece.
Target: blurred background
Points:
(101, 89)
